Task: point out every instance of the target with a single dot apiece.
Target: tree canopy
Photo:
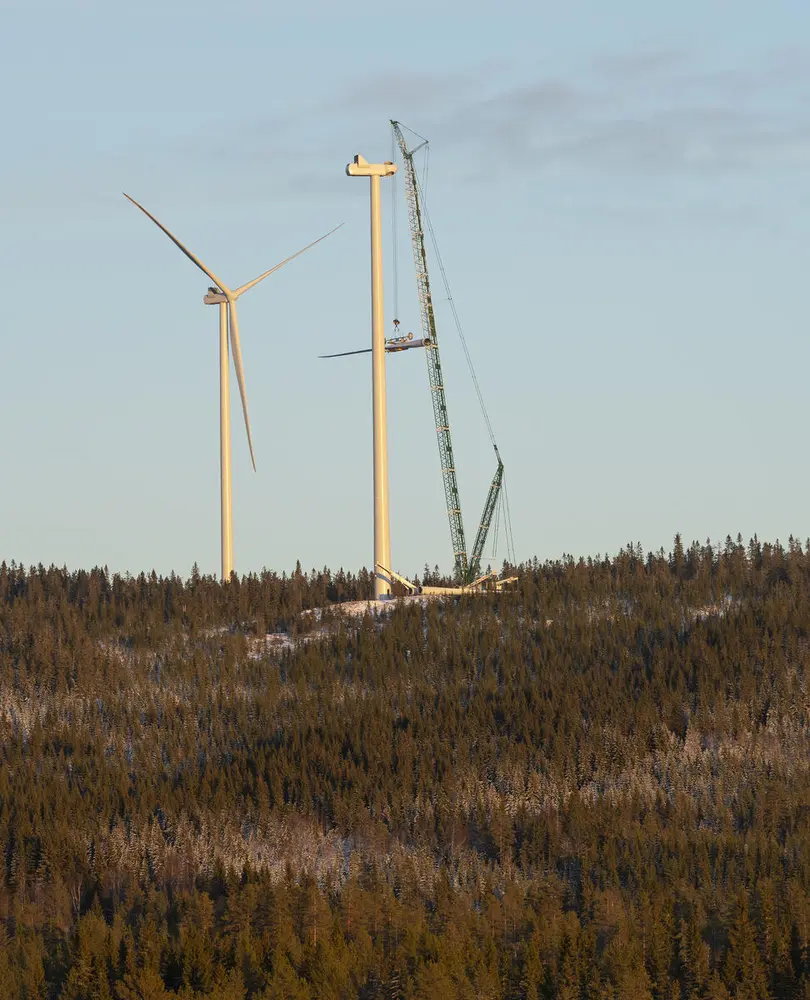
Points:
(594, 786)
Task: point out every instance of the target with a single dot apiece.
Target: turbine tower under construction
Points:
(360, 167)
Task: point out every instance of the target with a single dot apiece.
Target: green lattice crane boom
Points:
(486, 518)
(466, 570)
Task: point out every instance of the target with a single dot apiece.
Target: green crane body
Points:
(486, 519)
(466, 570)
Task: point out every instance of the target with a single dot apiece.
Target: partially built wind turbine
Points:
(226, 298)
(360, 167)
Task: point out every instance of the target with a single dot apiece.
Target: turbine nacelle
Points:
(360, 167)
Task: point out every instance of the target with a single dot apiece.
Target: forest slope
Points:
(595, 786)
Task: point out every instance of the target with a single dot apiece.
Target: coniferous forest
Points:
(596, 785)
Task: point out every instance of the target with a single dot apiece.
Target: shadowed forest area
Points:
(595, 786)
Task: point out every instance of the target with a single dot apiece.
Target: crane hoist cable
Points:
(459, 328)
(510, 538)
(419, 219)
(494, 493)
(394, 235)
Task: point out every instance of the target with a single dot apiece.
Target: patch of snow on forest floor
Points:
(277, 641)
(356, 609)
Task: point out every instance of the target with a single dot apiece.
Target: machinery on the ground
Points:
(467, 569)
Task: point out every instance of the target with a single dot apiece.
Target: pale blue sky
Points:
(621, 196)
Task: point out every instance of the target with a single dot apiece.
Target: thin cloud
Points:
(658, 113)
(422, 92)
(641, 64)
(653, 111)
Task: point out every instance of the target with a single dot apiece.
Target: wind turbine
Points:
(220, 294)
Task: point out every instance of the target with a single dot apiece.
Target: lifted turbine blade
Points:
(177, 243)
(345, 354)
(391, 347)
(236, 350)
(250, 284)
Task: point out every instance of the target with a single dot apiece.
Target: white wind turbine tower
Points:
(226, 298)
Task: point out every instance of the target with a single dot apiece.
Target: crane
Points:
(466, 569)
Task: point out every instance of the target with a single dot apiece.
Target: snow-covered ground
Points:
(276, 641)
(356, 609)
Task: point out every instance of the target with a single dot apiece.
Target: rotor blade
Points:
(236, 350)
(250, 284)
(345, 354)
(391, 347)
(177, 243)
